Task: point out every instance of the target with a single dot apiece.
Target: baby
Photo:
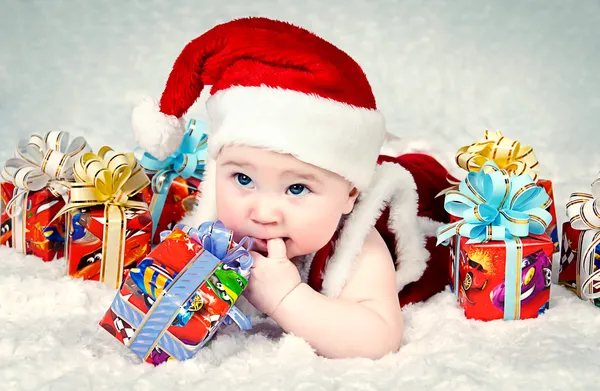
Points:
(294, 143)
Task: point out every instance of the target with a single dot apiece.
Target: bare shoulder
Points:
(374, 272)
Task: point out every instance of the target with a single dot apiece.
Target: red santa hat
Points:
(280, 87)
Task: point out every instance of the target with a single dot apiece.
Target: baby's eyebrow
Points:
(239, 164)
(301, 175)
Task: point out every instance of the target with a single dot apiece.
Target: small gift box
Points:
(33, 192)
(580, 255)
(107, 230)
(501, 255)
(174, 301)
(515, 158)
(175, 180)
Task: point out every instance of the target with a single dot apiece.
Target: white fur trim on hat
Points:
(394, 186)
(335, 136)
(158, 134)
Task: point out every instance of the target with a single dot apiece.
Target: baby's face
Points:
(265, 195)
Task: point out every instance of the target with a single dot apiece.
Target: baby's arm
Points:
(364, 321)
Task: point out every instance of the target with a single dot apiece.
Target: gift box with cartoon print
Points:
(152, 316)
(33, 191)
(108, 229)
(86, 244)
(33, 230)
(485, 292)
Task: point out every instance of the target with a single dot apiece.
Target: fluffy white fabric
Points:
(442, 72)
(50, 340)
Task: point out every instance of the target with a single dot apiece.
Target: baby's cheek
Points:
(315, 231)
(229, 211)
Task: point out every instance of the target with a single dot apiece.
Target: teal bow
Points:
(495, 205)
(188, 161)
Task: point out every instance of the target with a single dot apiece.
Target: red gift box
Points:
(180, 200)
(41, 235)
(572, 272)
(144, 286)
(85, 244)
(481, 278)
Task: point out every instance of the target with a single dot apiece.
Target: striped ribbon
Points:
(508, 155)
(39, 162)
(110, 179)
(153, 327)
(583, 211)
(188, 161)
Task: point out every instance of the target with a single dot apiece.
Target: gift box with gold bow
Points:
(501, 255)
(175, 180)
(108, 231)
(515, 158)
(580, 254)
(174, 301)
(33, 192)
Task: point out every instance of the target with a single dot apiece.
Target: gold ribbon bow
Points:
(39, 162)
(583, 211)
(508, 155)
(110, 179)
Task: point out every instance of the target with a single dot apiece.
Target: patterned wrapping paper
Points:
(176, 299)
(501, 265)
(33, 191)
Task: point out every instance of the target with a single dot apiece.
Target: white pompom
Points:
(158, 134)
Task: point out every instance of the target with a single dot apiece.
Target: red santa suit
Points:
(280, 87)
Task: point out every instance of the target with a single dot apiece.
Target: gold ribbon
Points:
(110, 179)
(508, 155)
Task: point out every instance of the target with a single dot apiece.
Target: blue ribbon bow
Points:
(188, 161)
(495, 205)
(151, 327)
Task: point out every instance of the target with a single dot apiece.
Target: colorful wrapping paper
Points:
(498, 209)
(176, 299)
(100, 197)
(33, 192)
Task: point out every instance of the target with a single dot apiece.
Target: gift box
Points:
(483, 281)
(174, 301)
(85, 241)
(580, 255)
(501, 256)
(175, 180)
(108, 230)
(515, 158)
(34, 191)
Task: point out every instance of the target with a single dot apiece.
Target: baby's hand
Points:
(272, 278)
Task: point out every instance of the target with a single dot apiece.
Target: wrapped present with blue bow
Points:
(515, 158)
(501, 254)
(33, 192)
(176, 299)
(580, 254)
(175, 180)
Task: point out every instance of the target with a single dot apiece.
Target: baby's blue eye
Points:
(298, 189)
(243, 180)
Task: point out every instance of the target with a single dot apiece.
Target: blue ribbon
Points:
(188, 161)
(152, 328)
(495, 205)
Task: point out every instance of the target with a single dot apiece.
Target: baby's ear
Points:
(352, 196)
